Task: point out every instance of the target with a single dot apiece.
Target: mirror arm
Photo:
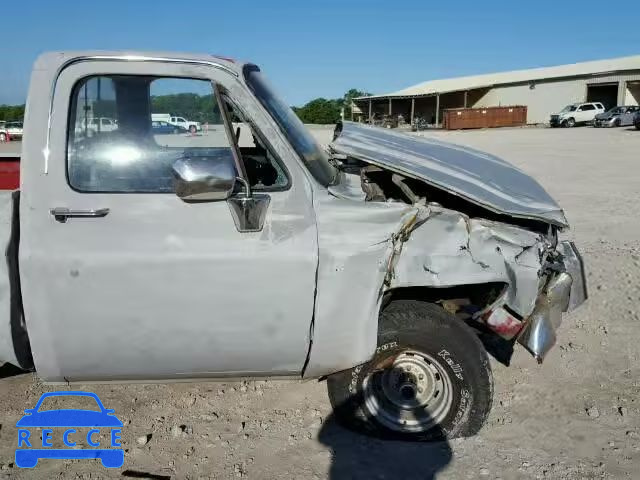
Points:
(247, 187)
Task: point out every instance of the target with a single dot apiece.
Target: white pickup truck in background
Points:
(189, 125)
(380, 265)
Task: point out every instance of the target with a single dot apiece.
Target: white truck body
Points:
(282, 271)
(186, 124)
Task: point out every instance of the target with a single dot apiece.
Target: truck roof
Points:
(57, 60)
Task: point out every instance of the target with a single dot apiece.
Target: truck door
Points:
(124, 280)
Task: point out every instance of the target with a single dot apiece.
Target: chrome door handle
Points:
(61, 214)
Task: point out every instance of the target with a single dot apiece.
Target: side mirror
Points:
(204, 179)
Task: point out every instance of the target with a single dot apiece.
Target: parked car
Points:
(373, 264)
(636, 120)
(182, 122)
(616, 117)
(576, 114)
(161, 127)
(95, 125)
(14, 129)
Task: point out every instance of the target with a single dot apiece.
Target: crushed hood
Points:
(479, 177)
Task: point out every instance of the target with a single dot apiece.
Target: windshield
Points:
(314, 157)
(569, 108)
(617, 110)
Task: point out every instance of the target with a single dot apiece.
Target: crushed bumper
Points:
(565, 291)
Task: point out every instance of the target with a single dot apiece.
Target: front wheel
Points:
(569, 123)
(429, 379)
(192, 129)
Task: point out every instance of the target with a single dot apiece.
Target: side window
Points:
(587, 107)
(265, 172)
(128, 155)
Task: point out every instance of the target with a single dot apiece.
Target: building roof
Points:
(599, 67)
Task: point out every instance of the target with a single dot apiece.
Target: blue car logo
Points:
(31, 448)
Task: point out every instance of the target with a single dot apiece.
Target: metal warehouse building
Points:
(543, 91)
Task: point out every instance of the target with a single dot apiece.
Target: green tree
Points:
(200, 108)
(11, 112)
(320, 110)
(327, 111)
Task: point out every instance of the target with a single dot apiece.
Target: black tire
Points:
(617, 122)
(417, 331)
(570, 122)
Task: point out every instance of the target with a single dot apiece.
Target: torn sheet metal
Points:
(356, 242)
(478, 177)
(368, 248)
(539, 334)
(448, 248)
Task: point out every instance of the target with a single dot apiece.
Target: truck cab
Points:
(252, 251)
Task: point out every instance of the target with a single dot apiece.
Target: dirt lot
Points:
(576, 416)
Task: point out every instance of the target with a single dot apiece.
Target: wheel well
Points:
(478, 295)
(20, 337)
(463, 301)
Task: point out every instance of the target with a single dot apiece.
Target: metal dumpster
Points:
(487, 117)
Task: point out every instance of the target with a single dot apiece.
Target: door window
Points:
(129, 156)
(264, 171)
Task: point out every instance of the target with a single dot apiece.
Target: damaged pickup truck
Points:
(247, 250)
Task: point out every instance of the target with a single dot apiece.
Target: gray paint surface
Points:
(159, 288)
(479, 177)
(179, 293)
(448, 248)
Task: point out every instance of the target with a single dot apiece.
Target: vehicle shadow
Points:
(7, 370)
(357, 456)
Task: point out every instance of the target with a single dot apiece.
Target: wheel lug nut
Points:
(421, 376)
(419, 389)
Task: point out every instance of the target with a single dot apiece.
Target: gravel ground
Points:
(575, 417)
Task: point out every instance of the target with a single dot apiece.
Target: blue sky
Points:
(323, 48)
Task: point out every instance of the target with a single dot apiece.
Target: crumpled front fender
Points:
(449, 249)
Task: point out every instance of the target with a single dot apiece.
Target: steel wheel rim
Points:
(411, 394)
